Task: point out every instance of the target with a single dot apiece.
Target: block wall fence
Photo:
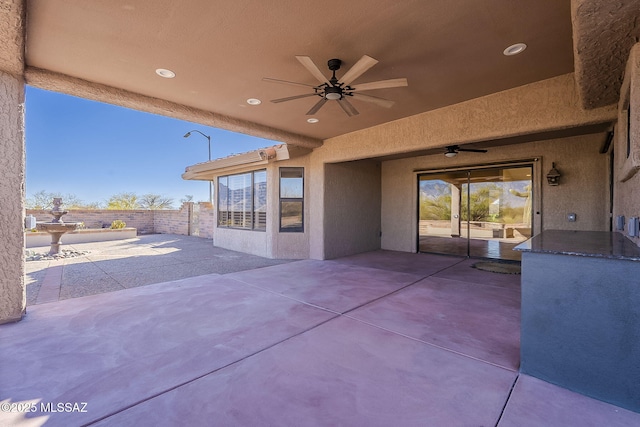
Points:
(192, 219)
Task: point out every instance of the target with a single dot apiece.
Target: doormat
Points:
(498, 267)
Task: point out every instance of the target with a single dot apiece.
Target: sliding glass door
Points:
(440, 218)
(480, 212)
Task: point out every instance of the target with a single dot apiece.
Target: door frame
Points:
(536, 181)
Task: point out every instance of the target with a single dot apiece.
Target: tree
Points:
(93, 206)
(43, 200)
(40, 200)
(79, 204)
(435, 201)
(155, 202)
(436, 208)
(187, 198)
(123, 201)
(480, 198)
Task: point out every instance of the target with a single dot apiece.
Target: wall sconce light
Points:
(553, 177)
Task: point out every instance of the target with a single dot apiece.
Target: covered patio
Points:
(380, 338)
(360, 330)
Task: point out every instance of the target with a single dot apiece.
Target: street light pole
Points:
(187, 135)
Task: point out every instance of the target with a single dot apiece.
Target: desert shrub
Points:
(117, 224)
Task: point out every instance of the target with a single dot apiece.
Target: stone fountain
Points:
(56, 227)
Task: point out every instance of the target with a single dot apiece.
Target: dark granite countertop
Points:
(599, 244)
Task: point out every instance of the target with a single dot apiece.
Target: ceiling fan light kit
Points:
(452, 150)
(332, 93)
(335, 89)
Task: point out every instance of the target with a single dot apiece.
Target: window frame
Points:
(299, 229)
(225, 221)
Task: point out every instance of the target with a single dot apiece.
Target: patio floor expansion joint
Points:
(235, 362)
(506, 402)
(391, 331)
(50, 289)
(400, 289)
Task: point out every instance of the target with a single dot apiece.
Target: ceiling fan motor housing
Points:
(334, 64)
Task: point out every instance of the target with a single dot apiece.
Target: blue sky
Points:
(95, 150)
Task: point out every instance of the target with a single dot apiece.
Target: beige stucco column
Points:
(627, 167)
(12, 170)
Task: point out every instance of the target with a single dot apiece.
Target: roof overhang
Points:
(206, 171)
(84, 49)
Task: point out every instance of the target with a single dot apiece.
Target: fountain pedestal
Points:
(56, 227)
(56, 231)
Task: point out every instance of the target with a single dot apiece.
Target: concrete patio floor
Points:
(377, 339)
(122, 264)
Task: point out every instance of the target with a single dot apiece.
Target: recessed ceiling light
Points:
(254, 101)
(312, 120)
(167, 74)
(515, 49)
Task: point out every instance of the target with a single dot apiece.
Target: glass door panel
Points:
(481, 213)
(499, 211)
(440, 225)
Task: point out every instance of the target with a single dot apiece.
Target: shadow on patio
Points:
(122, 264)
(381, 338)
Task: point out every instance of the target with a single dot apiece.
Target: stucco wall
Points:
(627, 193)
(12, 167)
(546, 106)
(287, 245)
(584, 184)
(543, 106)
(332, 194)
(270, 243)
(351, 208)
(583, 188)
(248, 241)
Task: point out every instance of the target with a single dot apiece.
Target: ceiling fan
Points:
(452, 150)
(335, 89)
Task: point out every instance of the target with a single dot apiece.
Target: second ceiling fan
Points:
(335, 89)
(452, 150)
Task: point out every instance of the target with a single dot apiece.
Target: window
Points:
(260, 200)
(242, 201)
(291, 199)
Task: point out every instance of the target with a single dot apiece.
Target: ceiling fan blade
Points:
(316, 107)
(472, 150)
(358, 69)
(312, 68)
(267, 79)
(382, 84)
(373, 99)
(290, 98)
(347, 107)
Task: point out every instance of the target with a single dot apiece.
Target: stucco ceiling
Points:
(449, 51)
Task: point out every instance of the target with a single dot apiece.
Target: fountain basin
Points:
(56, 229)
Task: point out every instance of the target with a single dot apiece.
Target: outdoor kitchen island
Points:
(581, 313)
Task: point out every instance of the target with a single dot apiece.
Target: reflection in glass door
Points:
(440, 203)
(479, 213)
